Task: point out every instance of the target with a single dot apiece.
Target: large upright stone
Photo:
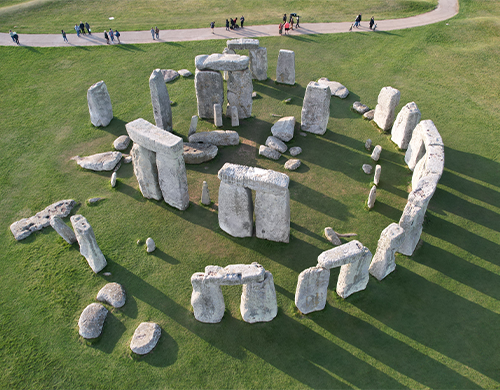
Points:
(229, 62)
(372, 197)
(242, 44)
(424, 136)
(384, 261)
(388, 99)
(235, 210)
(285, 69)
(146, 172)
(160, 100)
(100, 109)
(209, 91)
(272, 216)
(258, 300)
(88, 244)
(92, 320)
(258, 63)
(431, 164)
(239, 92)
(284, 128)
(193, 124)
(311, 291)
(205, 194)
(354, 277)
(406, 121)
(316, 108)
(62, 229)
(207, 299)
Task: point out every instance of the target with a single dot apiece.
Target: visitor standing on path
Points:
(297, 24)
(157, 32)
(227, 25)
(14, 36)
(77, 29)
(372, 22)
(82, 28)
(112, 36)
(88, 28)
(64, 36)
(152, 31)
(287, 27)
(281, 28)
(212, 26)
(106, 37)
(284, 18)
(117, 35)
(242, 19)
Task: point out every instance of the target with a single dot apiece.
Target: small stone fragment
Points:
(99, 162)
(303, 134)
(169, 75)
(184, 73)
(92, 320)
(192, 126)
(276, 144)
(127, 159)
(115, 169)
(150, 245)
(113, 179)
(113, 294)
(331, 236)
(254, 95)
(269, 153)
(368, 144)
(376, 153)
(360, 107)
(94, 200)
(376, 177)
(368, 115)
(367, 168)
(121, 143)
(295, 151)
(205, 194)
(145, 338)
(62, 229)
(287, 101)
(106, 273)
(371, 197)
(292, 164)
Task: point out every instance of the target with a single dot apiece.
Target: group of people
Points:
(287, 24)
(14, 36)
(112, 35)
(109, 36)
(155, 32)
(233, 22)
(357, 23)
(80, 29)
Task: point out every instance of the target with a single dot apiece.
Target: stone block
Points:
(276, 144)
(62, 229)
(271, 153)
(336, 88)
(88, 244)
(312, 289)
(354, 277)
(384, 261)
(122, 142)
(284, 128)
(205, 194)
(431, 164)
(376, 177)
(388, 99)
(372, 197)
(217, 62)
(235, 119)
(193, 125)
(341, 255)
(217, 115)
(258, 63)
(272, 216)
(113, 294)
(257, 179)
(209, 91)
(360, 108)
(405, 123)
(316, 108)
(145, 338)
(295, 151)
(292, 164)
(242, 44)
(235, 210)
(99, 162)
(376, 153)
(217, 137)
(258, 300)
(239, 92)
(99, 102)
(146, 172)
(92, 320)
(160, 100)
(285, 69)
(207, 299)
(172, 179)
(198, 153)
(155, 139)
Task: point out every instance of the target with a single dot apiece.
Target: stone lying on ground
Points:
(369, 115)
(127, 159)
(146, 172)
(258, 300)
(405, 123)
(368, 144)
(316, 108)
(295, 151)
(62, 229)
(184, 73)
(92, 320)
(311, 291)
(115, 169)
(239, 92)
(283, 129)
(193, 124)
(24, 227)
(99, 102)
(205, 194)
(209, 91)
(88, 244)
(150, 245)
(387, 101)
(160, 100)
(113, 180)
(254, 95)
(376, 153)
(145, 338)
(258, 63)
(292, 164)
(242, 44)
(169, 75)
(354, 277)
(217, 137)
(276, 144)
(376, 177)
(384, 261)
(336, 88)
(99, 162)
(285, 68)
(268, 152)
(121, 143)
(113, 294)
(372, 196)
(331, 236)
(367, 168)
(94, 200)
(197, 153)
(221, 62)
(360, 108)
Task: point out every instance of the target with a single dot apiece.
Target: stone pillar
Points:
(239, 92)
(376, 177)
(372, 196)
(376, 153)
(354, 276)
(207, 299)
(217, 115)
(272, 215)
(311, 291)
(316, 108)
(160, 100)
(431, 164)
(406, 121)
(285, 69)
(62, 229)
(193, 124)
(88, 244)
(205, 195)
(258, 300)
(99, 102)
(235, 210)
(172, 179)
(235, 120)
(209, 91)
(145, 171)
(384, 261)
(258, 63)
(388, 99)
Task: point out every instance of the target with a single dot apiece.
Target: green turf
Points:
(432, 323)
(50, 16)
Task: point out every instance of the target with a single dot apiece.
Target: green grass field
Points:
(434, 322)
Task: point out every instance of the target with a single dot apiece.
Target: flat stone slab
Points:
(292, 164)
(217, 137)
(92, 320)
(268, 152)
(235, 274)
(99, 162)
(368, 115)
(122, 142)
(24, 227)
(360, 107)
(153, 138)
(367, 168)
(145, 338)
(184, 73)
(341, 255)
(113, 294)
(336, 88)
(197, 153)
(284, 128)
(276, 144)
(295, 151)
(257, 179)
(169, 75)
(242, 44)
(221, 62)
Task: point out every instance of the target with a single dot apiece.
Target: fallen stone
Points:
(258, 300)
(88, 244)
(285, 68)
(367, 168)
(184, 73)
(193, 124)
(235, 120)
(115, 169)
(205, 194)
(160, 100)
(198, 153)
(332, 236)
(372, 196)
(146, 172)
(92, 320)
(99, 162)
(217, 115)
(303, 134)
(145, 338)
(269, 152)
(229, 62)
(217, 137)
(369, 115)
(311, 291)
(239, 92)
(150, 245)
(360, 108)
(295, 151)
(405, 123)
(258, 63)
(209, 91)
(254, 95)
(113, 294)
(292, 164)
(106, 274)
(368, 144)
(242, 44)
(384, 261)
(387, 101)
(316, 108)
(169, 75)
(376, 177)
(276, 144)
(127, 159)
(113, 180)
(287, 101)
(376, 153)
(62, 229)
(336, 88)
(121, 143)
(94, 200)
(283, 129)
(99, 102)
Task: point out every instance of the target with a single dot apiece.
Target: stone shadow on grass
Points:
(164, 353)
(112, 331)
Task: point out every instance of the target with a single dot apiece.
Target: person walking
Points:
(212, 26)
(112, 36)
(117, 35)
(287, 27)
(284, 18)
(82, 28)
(372, 22)
(64, 36)
(157, 32)
(152, 33)
(227, 25)
(291, 23)
(77, 29)
(297, 24)
(281, 28)
(242, 19)
(88, 28)
(357, 22)
(106, 37)
(14, 36)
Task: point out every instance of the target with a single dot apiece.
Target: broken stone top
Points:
(221, 62)
(235, 274)
(153, 138)
(426, 187)
(429, 133)
(319, 86)
(242, 44)
(341, 255)
(257, 179)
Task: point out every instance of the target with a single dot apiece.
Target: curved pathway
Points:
(445, 10)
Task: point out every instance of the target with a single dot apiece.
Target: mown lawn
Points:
(434, 322)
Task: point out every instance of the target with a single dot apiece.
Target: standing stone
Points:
(88, 244)
(376, 153)
(276, 144)
(372, 196)
(311, 291)
(424, 136)
(113, 294)
(160, 100)
(235, 120)
(367, 168)
(431, 164)
(145, 171)
(388, 99)
(258, 300)
(205, 195)
(316, 108)
(354, 277)
(258, 63)
(239, 92)
(113, 180)
(285, 69)
(150, 245)
(145, 338)
(376, 177)
(406, 121)
(272, 215)
(235, 210)
(99, 102)
(62, 229)
(384, 261)
(172, 179)
(209, 91)
(368, 144)
(207, 299)
(92, 320)
(193, 124)
(284, 128)
(217, 115)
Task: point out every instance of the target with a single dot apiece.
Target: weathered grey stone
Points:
(272, 216)
(62, 229)
(192, 125)
(153, 138)
(368, 144)
(235, 210)
(376, 177)
(332, 236)
(228, 110)
(239, 92)
(228, 62)
(184, 73)
(316, 108)
(369, 115)
(276, 144)
(372, 196)
(197, 153)
(360, 108)
(172, 178)
(258, 63)
(113, 180)
(254, 95)
(217, 137)
(387, 101)
(311, 291)
(235, 274)
(209, 91)
(160, 100)
(150, 245)
(205, 194)
(384, 261)
(367, 168)
(336, 88)
(94, 200)
(100, 161)
(217, 115)
(113, 294)
(353, 277)
(227, 50)
(146, 172)
(292, 164)
(88, 244)
(295, 151)
(257, 179)
(284, 128)
(127, 159)
(258, 300)
(347, 253)
(121, 143)
(405, 123)
(242, 44)
(285, 69)
(169, 75)
(431, 164)
(235, 119)
(145, 338)
(99, 102)
(207, 299)
(376, 153)
(269, 152)
(92, 320)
